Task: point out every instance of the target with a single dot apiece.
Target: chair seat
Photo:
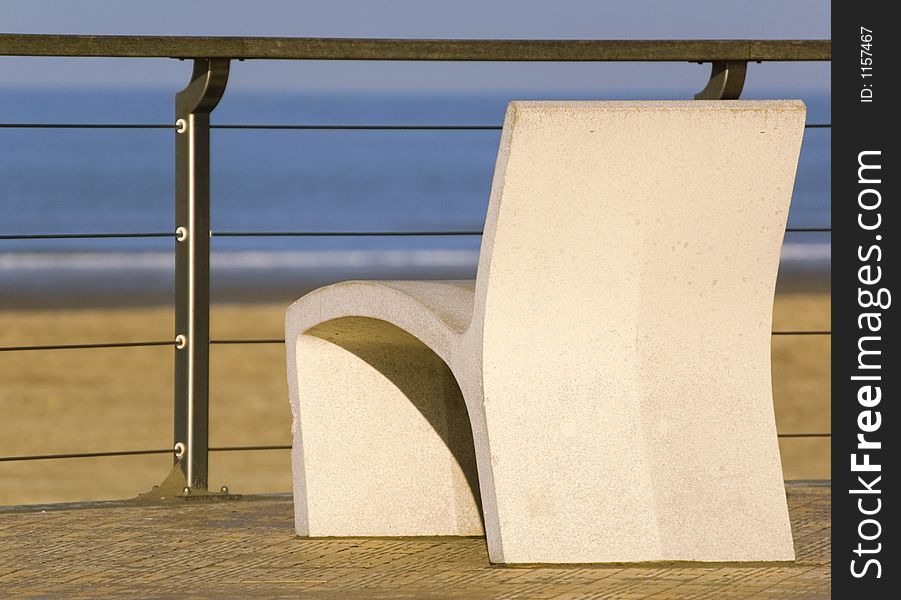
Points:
(435, 312)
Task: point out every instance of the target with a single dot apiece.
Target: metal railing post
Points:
(193, 106)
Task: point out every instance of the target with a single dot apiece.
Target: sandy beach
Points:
(117, 399)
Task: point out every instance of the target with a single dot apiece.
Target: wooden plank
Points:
(409, 49)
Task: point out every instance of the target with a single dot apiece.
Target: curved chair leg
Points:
(382, 443)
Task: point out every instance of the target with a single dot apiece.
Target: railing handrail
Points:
(303, 48)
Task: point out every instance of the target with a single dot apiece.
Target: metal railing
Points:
(195, 103)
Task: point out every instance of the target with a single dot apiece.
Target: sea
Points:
(62, 181)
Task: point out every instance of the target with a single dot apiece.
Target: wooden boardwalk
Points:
(248, 549)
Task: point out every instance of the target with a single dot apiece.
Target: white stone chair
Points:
(601, 392)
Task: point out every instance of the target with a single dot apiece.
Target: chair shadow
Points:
(420, 374)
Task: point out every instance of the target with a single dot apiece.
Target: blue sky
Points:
(660, 19)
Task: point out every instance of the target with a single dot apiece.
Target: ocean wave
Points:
(811, 252)
(318, 260)
(240, 260)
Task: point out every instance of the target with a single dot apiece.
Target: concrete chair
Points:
(601, 392)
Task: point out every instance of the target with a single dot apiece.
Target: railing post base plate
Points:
(172, 491)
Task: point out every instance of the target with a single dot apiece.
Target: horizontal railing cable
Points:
(249, 341)
(288, 127)
(344, 233)
(260, 126)
(87, 346)
(85, 236)
(400, 233)
(112, 453)
(340, 127)
(238, 341)
(87, 126)
(399, 127)
(85, 455)
(254, 448)
(429, 233)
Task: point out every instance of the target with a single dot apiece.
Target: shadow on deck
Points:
(248, 549)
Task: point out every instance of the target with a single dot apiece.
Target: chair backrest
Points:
(634, 224)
